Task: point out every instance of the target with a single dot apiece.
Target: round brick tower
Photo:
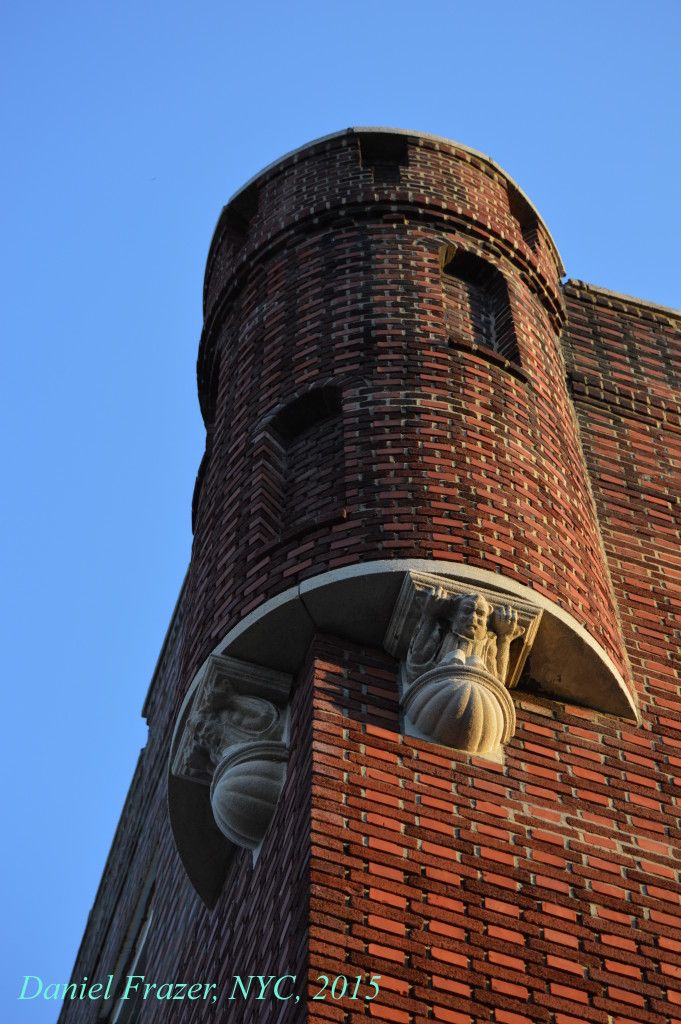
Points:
(390, 439)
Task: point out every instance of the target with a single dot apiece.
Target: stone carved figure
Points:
(455, 671)
(240, 718)
(234, 742)
(463, 629)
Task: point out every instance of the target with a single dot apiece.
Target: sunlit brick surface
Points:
(544, 890)
(448, 453)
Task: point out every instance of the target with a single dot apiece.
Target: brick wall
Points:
(544, 890)
(449, 451)
(260, 923)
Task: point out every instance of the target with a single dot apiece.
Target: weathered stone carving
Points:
(245, 790)
(459, 662)
(234, 741)
(465, 629)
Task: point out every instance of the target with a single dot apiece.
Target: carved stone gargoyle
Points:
(234, 742)
(461, 650)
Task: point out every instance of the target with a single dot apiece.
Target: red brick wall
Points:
(448, 453)
(544, 890)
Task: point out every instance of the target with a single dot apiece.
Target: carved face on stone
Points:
(250, 715)
(471, 617)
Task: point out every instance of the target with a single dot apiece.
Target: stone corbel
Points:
(234, 742)
(461, 650)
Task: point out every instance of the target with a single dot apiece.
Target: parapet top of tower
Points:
(363, 167)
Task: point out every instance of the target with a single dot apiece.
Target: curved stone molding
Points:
(358, 602)
(245, 790)
(459, 649)
(377, 603)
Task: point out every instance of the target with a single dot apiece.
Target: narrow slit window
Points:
(239, 215)
(132, 959)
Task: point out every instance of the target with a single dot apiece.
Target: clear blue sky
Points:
(126, 127)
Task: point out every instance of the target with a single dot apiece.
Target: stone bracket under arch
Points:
(228, 764)
(408, 607)
(378, 604)
(235, 703)
(461, 650)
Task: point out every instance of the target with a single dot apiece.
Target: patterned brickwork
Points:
(541, 890)
(544, 890)
(449, 452)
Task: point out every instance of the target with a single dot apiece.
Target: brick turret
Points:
(416, 715)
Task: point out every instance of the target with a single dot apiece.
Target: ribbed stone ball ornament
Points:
(461, 706)
(245, 790)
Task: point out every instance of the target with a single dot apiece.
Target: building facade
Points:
(415, 731)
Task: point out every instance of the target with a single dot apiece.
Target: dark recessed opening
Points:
(384, 154)
(477, 305)
(525, 216)
(313, 407)
(299, 473)
(239, 215)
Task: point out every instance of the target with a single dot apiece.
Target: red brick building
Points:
(417, 714)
